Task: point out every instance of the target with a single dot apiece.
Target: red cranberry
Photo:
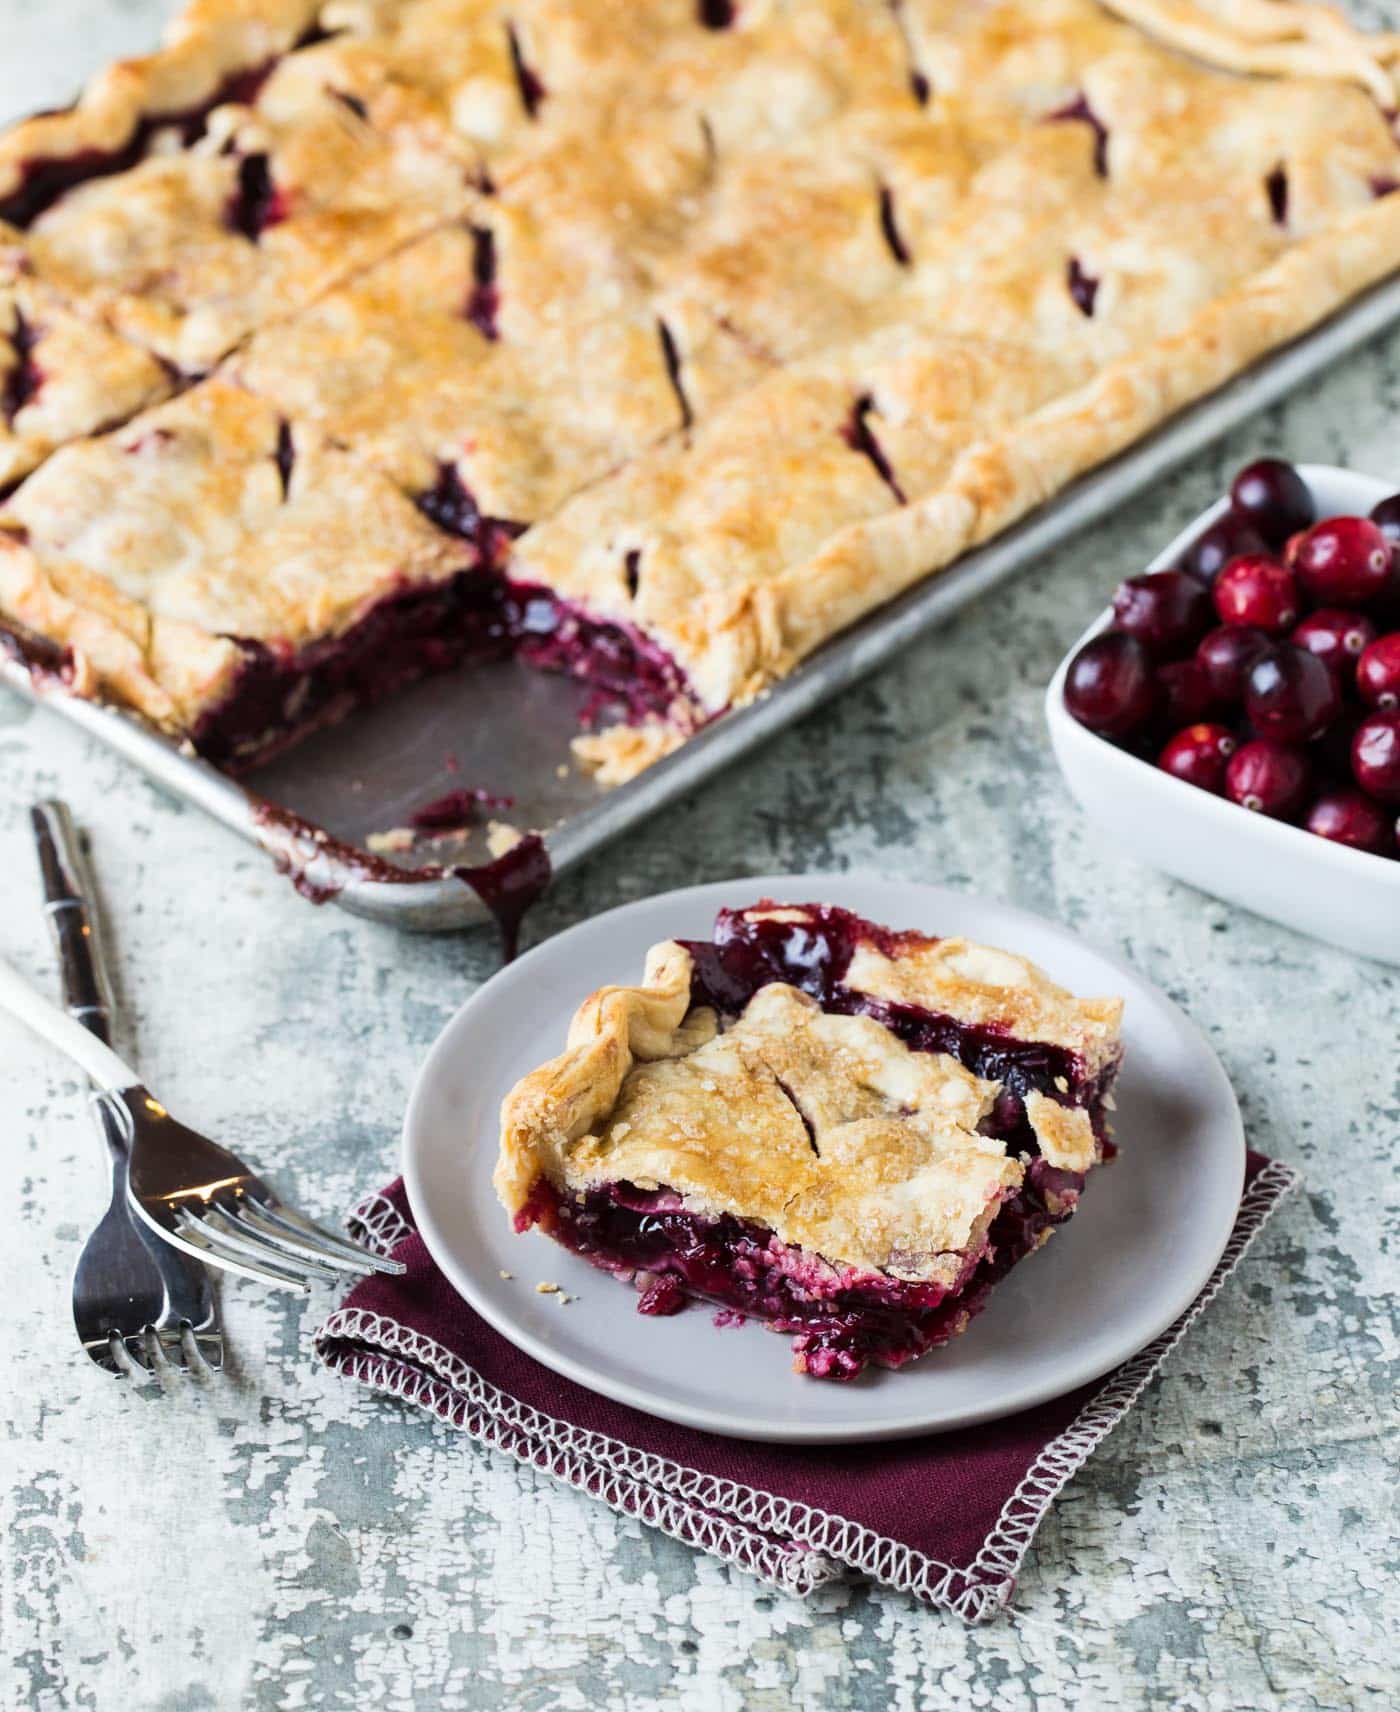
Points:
(1343, 561)
(1269, 778)
(1274, 497)
(1290, 694)
(1257, 591)
(1346, 816)
(1337, 637)
(1227, 654)
(1167, 611)
(1378, 672)
(1110, 687)
(1187, 695)
(1229, 537)
(1375, 756)
(1198, 755)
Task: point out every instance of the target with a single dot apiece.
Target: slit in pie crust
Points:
(848, 1133)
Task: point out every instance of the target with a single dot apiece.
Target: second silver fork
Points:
(137, 1302)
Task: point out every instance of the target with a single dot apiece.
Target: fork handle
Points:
(73, 924)
(64, 1032)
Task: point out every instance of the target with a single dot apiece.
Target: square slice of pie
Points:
(848, 1133)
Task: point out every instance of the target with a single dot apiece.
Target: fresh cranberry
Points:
(1274, 497)
(1226, 654)
(1290, 694)
(1257, 591)
(1378, 672)
(1269, 778)
(1343, 561)
(1167, 611)
(1187, 692)
(1347, 816)
(1337, 637)
(1198, 756)
(1110, 687)
(1375, 756)
(1229, 537)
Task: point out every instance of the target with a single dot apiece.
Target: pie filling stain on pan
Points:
(320, 867)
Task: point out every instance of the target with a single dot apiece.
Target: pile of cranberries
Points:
(1265, 665)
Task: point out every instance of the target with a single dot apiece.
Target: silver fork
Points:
(138, 1303)
(189, 1190)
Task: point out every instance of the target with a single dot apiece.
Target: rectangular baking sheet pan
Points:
(505, 729)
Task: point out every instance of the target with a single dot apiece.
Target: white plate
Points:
(1147, 1236)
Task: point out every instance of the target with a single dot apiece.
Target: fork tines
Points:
(264, 1239)
(160, 1350)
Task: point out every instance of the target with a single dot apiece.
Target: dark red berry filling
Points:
(1083, 287)
(25, 377)
(282, 693)
(814, 953)
(44, 180)
(1079, 109)
(256, 203)
(889, 228)
(623, 664)
(532, 91)
(451, 505)
(1276, 189)
(671, 356)
(455, 810)
(844, 1318)
(484, 299)
(860, 437)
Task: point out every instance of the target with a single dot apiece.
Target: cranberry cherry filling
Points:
(25, 377)
(43, 179)
(814, 953)
(452, 507)
(626, 668)
(1079, 110)
(283, 693)
(484, 300)
(1082, 287)
(256, 203)
(845, 1318)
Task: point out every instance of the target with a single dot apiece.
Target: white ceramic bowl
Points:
(1345, 896)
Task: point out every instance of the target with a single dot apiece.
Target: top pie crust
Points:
(825, 1128)
(752, 313)
(62, 377)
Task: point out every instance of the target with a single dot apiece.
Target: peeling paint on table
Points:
(282, 1541)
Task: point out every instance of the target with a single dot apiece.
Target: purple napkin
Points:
(947, 1518)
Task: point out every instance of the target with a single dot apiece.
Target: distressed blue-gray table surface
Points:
(282, 1541)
